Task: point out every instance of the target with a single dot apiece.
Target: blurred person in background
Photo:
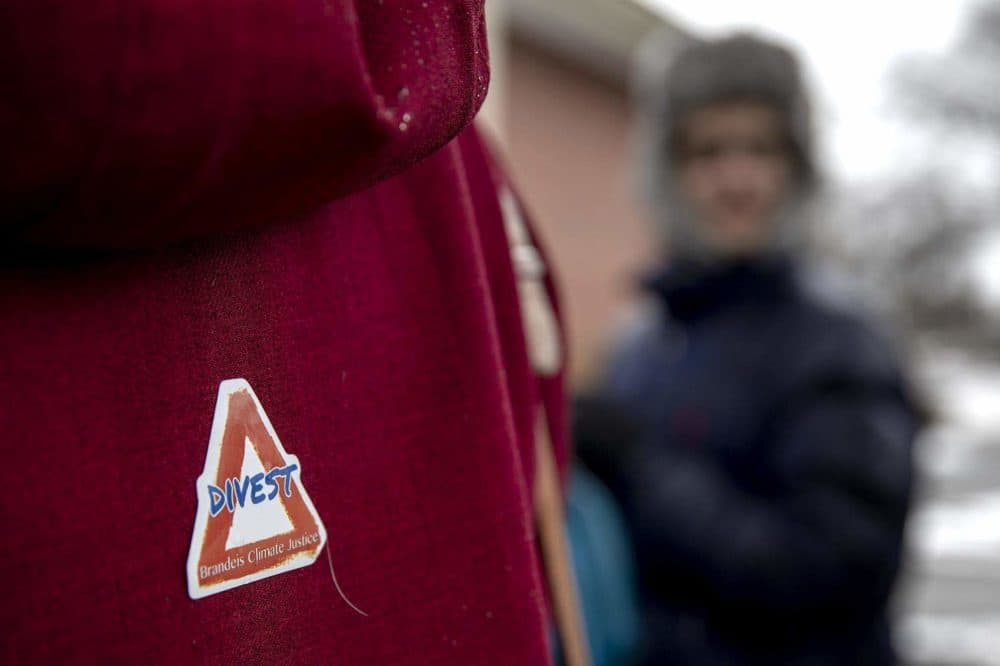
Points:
(602, 554)
(769, 481)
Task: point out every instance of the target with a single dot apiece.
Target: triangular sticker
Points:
(254, 517)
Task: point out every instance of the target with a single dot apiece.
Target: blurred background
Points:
(908, 122)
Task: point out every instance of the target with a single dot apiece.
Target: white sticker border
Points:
(209, 472)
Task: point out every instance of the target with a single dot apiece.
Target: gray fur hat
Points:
(672, 79)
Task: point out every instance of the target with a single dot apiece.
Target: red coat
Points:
(183, 203)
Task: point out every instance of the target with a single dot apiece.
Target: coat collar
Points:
(694, 292)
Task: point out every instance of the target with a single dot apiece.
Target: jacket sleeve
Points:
(631, 356)
(830, 537)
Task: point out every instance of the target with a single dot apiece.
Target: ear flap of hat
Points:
(652, 60)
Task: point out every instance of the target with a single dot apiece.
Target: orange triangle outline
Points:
(239, 417)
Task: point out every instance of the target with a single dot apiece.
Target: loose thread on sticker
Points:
(329, 559)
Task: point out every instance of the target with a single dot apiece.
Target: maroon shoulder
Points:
(132, 123)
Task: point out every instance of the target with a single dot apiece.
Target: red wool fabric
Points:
(380, 330)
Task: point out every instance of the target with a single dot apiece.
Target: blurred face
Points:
(733, 168)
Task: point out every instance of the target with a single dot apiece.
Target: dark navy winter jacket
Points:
(769, 485)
